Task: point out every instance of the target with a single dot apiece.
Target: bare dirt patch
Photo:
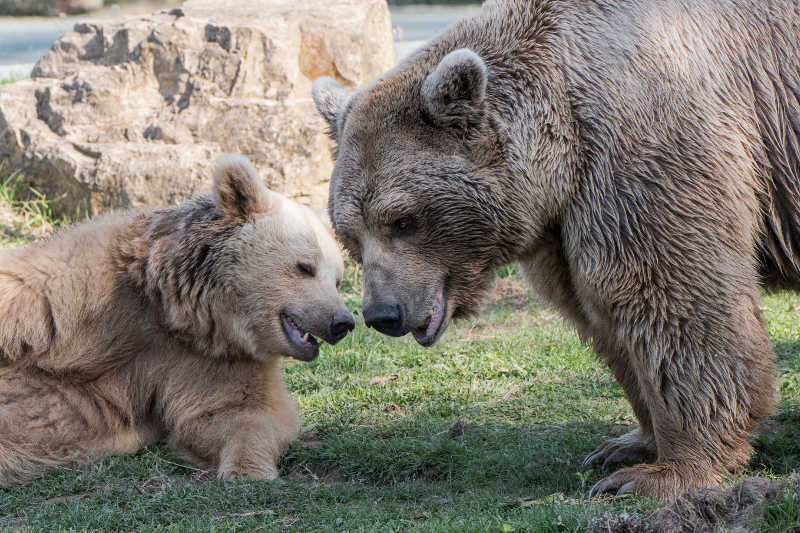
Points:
(509, 293)
(383, 380)
(520, 309)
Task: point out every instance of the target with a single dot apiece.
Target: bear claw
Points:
(631, 447)
(618, 484)
(627, 488)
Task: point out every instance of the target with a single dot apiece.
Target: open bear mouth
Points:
(299, 337)
(429, 331)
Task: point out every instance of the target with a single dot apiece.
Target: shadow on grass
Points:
(778, 443)
(538, 460)
(482, 473)
(788, 351)
(533, 461)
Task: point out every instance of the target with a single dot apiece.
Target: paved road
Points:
(23, 40)
(413, 25)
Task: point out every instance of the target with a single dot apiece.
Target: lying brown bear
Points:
(166, 325)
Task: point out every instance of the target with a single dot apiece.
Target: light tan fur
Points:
(165, 326)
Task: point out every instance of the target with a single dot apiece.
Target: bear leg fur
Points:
(48, 422)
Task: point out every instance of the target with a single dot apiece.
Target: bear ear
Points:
(453, 94)
(238, 190)
(330, 98)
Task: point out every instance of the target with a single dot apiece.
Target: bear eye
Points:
(306, 268)
(403, 227)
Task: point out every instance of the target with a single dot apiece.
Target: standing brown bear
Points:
(638, 158)
(166, 326)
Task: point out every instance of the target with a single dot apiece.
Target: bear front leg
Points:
(239, 440)
(708, 381)
(234, 417)
(638, 445)
(256, 445)
(673, 283)
(237, 443)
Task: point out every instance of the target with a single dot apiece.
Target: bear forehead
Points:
(391, 100)
(309, 235)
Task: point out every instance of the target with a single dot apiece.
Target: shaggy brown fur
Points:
(639, 158)
(165, 326)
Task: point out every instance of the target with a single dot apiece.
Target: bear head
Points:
(287, 266)
(416, 193)
(242, 272)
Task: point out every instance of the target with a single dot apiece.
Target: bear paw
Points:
(633, 447)
(262, 473)
(664, 481)
(257, 470)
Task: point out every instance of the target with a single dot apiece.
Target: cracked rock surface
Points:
(134, 112)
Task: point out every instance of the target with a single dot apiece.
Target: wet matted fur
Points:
(165, 326)
(638, 158)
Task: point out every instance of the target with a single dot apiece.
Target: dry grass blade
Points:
(511, 392)
(383, 380)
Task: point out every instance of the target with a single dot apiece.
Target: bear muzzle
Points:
(304, 335)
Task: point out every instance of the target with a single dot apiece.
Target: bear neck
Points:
(170, 257)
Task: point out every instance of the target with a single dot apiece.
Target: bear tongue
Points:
(297, 336)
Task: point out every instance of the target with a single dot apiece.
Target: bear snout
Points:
(386, 318)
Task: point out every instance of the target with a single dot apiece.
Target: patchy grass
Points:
(25, 214)
(782, 514)
(12, 79)
(483, 432)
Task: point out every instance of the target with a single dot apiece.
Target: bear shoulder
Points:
(49, 288)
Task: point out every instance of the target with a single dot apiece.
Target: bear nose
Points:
(386, 318)
(341, 323)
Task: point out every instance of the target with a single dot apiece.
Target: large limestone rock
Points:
(133, 113)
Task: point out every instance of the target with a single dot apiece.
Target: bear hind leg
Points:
(47, 424)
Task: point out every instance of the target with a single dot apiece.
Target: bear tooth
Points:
(305, 337)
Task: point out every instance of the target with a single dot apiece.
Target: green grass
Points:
(485, 431)
(25, 214)
(783, 514)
